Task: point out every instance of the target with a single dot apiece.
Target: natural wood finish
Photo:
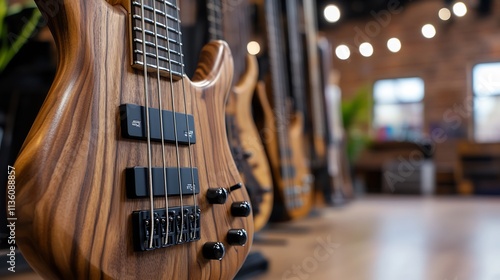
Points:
(73, 215)
(268, 132)
(389, 238)
(239, 105)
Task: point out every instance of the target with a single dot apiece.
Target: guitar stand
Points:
(254, 265)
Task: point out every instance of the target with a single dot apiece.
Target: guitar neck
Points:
(278, 67)
(230, 23)
(156, 37)
(214, 17)
(317, 75)
(295, 56)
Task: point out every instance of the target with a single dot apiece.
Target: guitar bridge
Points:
(168, 230)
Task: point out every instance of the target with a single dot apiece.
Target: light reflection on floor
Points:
(385, 238)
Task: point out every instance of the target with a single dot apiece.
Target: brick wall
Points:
(444, 62)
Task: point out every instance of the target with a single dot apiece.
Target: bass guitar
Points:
(324, 117)
(232, 23)
(126, 172)
(282, 130)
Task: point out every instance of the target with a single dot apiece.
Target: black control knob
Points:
(247, 155)
(214, 250)
(217, 195)
(235, 187)
(237, 237)
(241, 209)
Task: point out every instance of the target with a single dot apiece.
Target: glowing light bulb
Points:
(428, 31)
(343, 52)
(331, 13)
(253, 48)
(459, 9)
(366, 49)
(394, 45)
(444, 14)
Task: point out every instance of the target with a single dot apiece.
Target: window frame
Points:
(375, 103)
(474, 96)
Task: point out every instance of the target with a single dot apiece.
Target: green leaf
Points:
(8, 51)
(3, 13)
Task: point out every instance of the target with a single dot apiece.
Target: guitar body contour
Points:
(239, 105)
(74, 216)
(301, 180)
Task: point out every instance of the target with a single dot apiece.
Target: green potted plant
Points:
(356, 113)
(11, 42)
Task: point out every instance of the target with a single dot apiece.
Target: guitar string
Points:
(172, 94)
(148, 130)
(160, 105)
(188, 133)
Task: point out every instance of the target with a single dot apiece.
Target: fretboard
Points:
(161, 36)
(295, 52)
(279, 66)
(214, 17)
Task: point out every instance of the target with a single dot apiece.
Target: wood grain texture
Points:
(240, 106)
(74, 220)
(268, 133)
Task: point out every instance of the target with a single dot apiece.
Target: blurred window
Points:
(398, 109)
(486, 90)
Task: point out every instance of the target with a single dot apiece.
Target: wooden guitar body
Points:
(239, 107)
(74, 214)
(293, 195)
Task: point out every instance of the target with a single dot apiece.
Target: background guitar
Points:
(109, 189)
(243, 135)
(327, 151)
(282, 127)
(230, 21)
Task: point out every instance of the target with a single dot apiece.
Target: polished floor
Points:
(386, 238)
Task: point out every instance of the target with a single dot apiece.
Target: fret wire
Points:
(151, 33)
(151, 9)
(162, 68)
(164, 22)
(159, 57)
(150, 21)
(159, 46)
(163, 14)
(166, 2)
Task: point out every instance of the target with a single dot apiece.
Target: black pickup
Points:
(137, 183)
(133, 120)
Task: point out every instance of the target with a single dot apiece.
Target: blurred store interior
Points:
(375, 151)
